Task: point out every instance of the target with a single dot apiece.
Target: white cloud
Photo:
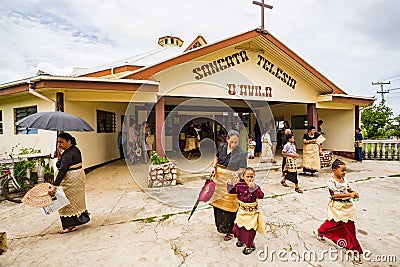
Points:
(350, 42)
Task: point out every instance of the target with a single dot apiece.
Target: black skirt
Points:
(224, 220)
(75, 220)
(292, 176)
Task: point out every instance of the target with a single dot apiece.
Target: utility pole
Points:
(382, 92)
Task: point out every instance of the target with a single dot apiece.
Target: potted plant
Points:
(162, 172)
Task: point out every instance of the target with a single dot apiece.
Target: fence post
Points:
(390, 151)
(365, 151)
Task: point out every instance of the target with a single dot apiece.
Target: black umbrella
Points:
(55, 121)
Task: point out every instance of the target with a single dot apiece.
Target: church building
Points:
(250, 81)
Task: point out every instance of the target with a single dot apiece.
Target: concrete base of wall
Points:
(89, 169)
(346, 154)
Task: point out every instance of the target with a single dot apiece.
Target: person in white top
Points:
(251, 147)
(266, 150)
(339, 225)
(290, 169)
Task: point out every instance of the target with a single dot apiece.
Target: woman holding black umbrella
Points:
(71, 177)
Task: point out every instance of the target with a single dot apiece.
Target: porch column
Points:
(160, 135)
(312, 115)
(357, 116)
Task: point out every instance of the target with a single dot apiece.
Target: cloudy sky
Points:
(352, 43)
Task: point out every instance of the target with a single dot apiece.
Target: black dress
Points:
(236, 159)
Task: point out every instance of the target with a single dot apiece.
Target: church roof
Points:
(253, 40)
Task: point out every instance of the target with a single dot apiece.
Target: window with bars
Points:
(1, 122)
(20, 113)
(299, 122)
(106, 122)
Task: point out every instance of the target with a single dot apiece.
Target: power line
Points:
(392, 77)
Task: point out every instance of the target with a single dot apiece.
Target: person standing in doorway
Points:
(145, 141)
(191, 140)
(266, 149)
(120, 143)
(358, 145)
(251, 146)
(319, 130)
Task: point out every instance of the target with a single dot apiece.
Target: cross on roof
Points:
(262, 11)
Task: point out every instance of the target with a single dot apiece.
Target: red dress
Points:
(340, 227)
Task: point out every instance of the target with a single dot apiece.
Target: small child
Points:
(340, 225)
(290, 169)
(251, 147)
(249, 218)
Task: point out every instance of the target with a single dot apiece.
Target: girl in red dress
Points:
(339, 226)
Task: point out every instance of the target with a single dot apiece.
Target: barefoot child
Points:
(248, 218)
(339, 226)
(290, 169)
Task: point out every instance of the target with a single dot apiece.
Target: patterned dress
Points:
(311, 159)
(290, 168)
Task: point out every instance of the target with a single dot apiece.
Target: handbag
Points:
(150, 139)
(207, 191)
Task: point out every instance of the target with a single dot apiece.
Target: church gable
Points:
(198, 42)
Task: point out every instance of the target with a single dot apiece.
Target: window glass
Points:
(106, 122)
(20, 113)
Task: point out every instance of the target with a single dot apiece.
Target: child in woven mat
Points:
(249, 218)
(339, 225)
(290, 169)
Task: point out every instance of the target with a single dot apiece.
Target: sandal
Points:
(239, 244)
(228, 237)
(273, 161)
(247, 251)
(284, 184)
(298, 190)
(67, 230)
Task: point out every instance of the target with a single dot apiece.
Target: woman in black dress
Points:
(230, 160)
(71, 177)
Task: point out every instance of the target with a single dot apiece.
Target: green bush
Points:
(155, 159)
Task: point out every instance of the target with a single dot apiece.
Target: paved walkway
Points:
(130, 227)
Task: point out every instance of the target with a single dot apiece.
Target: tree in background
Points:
(393, 128)
(376, 121)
